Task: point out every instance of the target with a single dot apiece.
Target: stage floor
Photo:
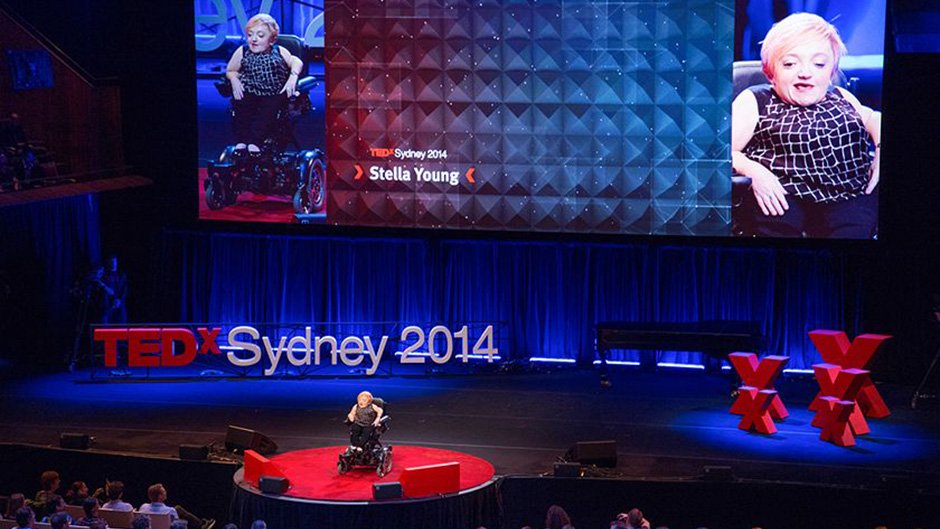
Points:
(667, 424)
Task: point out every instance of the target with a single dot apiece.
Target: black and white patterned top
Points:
(263, 74)
(819, 152)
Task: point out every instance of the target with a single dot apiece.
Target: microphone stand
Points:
(919, 392)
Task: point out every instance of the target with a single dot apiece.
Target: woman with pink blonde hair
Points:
(805, 143)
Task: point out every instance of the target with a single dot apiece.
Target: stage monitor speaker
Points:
(567, 470)
(239, 439)
(598, 453)
(717, 473)
(273, 484)
(194, 452)
(386, 491)
(75, 441)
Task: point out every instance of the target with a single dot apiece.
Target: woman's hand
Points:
(238, 89)
(875, 173)
(770, 194)
(376, 423)
(290, 87)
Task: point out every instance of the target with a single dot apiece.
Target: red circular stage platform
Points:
(312, 473)
(320, 497)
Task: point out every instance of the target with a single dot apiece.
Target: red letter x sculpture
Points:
(756, 414)
(758, 376)
(834, 347)
(840, 385)
(835, 414)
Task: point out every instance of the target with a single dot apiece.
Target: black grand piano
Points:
(715, 338)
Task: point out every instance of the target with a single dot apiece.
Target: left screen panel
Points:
(260, 82)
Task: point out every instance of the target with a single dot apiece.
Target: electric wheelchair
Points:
(372, 453)
(274, 170)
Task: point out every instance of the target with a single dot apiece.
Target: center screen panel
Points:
(554, 116)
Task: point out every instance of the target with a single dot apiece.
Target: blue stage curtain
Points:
(44, 248)
(548, 295)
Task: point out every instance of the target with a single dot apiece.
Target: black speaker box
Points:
(599, 453)
(238, 439)
(76, 441)
(386, 491)
(194, 452)
(717, 473)
(273, 485)
(567, 470)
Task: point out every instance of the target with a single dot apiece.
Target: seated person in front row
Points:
(91, 519)
(60, 520)
(55, 505)
(805, 143)
(115, 494)
(25, 517)
(365, 417)
(157, 505)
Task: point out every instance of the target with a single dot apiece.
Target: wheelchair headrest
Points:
(379, 402)
(293, 44)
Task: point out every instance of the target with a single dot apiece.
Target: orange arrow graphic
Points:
(358, 172)
(470, 175)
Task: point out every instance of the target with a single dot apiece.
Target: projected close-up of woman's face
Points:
(803, 74)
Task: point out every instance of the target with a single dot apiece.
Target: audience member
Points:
(59, 520)
(50, 482)
(157, 505)
(259, 524)
(91, 519)
(25, 518)
(56, 504)
(16, 502)
(115, 490)
(77, 493)
(230, 526)
(179, 524)
(635, 520)
(557, 518)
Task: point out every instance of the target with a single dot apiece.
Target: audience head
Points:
(141, 522)
(54, 504)
(25, 517)
(115, 490)
(156, 493)
(259, 524)
(78, 491)
(230, 526)
(90, 506)
(556, 518)
(59, 520)
(17, 501)
(49, 481)
(178, 524)
(635, 517)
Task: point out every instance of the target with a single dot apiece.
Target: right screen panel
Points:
(806, 118)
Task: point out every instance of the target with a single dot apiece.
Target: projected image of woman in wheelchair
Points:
(263, 79)
(367, 422)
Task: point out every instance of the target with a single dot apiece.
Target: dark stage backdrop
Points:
(44, 248)
(549, 294)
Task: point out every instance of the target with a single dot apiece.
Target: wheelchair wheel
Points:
(385, 465)
(342, 467)
(311, 192)
(215, 193)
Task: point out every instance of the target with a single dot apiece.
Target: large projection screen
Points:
(539, 116)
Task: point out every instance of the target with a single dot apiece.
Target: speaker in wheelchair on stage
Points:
(372, 453)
